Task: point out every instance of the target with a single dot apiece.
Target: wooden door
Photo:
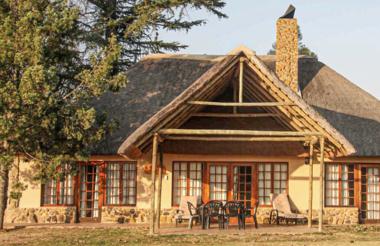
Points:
(243, 186)
(370, 194)
(89, 202)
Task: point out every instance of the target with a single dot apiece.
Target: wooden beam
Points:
(239, 139)
(321, 185)
(241, 104)
(159, 190)
(241, 115)
(182, 107)
(153, 185)
(311, 155)
(235, 132)
(241, 80)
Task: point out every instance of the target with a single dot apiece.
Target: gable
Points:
(261, 85)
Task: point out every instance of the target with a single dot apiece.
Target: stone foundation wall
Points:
(40, 215)
(134, 215)
(341, 216)
(333, 216)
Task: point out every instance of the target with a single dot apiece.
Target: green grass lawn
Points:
(333, 236)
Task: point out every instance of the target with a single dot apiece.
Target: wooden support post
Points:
(241, 80)
(310, 216)
(153, 185)
(159, 190)
(321, 182)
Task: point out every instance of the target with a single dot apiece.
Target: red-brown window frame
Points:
(187, 178)
(272, 172)
(58, 193)
(355, 189)
(121, 188)
(230, 164)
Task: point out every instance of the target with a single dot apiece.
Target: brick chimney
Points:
(287, 49)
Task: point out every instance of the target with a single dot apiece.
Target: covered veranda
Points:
(314, 140)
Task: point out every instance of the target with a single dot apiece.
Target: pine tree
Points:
(136, 24)
(302, 48)
(56, 56)
(46, 86)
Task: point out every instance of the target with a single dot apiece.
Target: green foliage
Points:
(57, 56)
(302, 49)
(136, 24)
(47, 83)
(16, 190)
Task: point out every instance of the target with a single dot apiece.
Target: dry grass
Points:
(343, 235)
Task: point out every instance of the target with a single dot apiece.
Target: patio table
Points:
(202, 213)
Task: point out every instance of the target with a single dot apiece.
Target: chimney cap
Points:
(289, 14)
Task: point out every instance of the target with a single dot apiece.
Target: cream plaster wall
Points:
(31, 197)
(298, 177)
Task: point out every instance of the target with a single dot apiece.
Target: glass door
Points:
(242, 185)
(370, 194)
(89, 192)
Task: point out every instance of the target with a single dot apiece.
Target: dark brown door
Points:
(89, 192)
(370, 194)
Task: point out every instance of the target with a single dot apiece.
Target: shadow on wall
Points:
(143, 187)
(362, 133)
(27, 175)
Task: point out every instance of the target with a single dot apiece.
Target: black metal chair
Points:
(233, 209)
(213, 209)
(247, 213)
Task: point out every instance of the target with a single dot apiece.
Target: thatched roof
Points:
(158, 80)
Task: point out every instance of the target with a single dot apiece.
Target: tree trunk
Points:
(4, 171)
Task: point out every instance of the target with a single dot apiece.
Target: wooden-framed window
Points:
(272, 178)
(121, 183)
(58, 192)
(339, 185)
(187, 181)
(218, 182)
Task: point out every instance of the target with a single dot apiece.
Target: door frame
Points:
(101, 165)
(361, 219)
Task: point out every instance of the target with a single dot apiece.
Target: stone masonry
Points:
(40, 215)
(287, 52)
(341, 216)
(127, 215)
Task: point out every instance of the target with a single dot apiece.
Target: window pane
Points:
(60, 190)
(339, 184)
(187, 180)
(218, 182)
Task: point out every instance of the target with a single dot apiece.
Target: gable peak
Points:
(242, 48)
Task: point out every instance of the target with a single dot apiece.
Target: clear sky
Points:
(345, 34)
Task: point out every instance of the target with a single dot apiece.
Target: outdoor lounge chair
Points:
(187, 211)
(281, 211)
